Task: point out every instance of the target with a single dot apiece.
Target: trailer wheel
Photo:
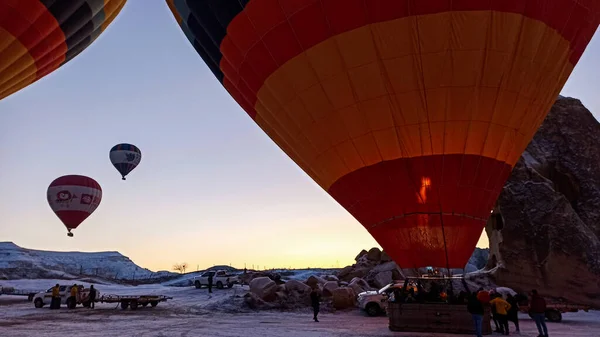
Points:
(154, 303)
(133, 305)
(219, 285)
(229, 285)
(38, 303)
(553, 315)
(197, 284)
(124, 305)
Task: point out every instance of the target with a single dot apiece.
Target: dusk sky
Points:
(211, 188)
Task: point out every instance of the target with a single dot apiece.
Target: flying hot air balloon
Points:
(409, 113)
(125, 157)
(73, 198)
(39, 36)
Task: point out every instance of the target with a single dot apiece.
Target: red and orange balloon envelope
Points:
(39, 36)
(409, 113)
(73, 198)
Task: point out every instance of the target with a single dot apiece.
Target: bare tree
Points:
(180, 267)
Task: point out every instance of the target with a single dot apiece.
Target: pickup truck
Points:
(375, 302)
(220, 279)
(45, 297)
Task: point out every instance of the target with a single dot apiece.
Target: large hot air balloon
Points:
(125, 157)
(39, 36)
(73, 198)
(409, 113)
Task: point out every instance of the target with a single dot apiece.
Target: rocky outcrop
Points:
(264, 288)
(343, 298)
(545, 230)
(377, 269)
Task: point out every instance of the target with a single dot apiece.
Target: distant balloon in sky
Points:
(73, 198)
(125, 157)
(409, 113)
(39, 36)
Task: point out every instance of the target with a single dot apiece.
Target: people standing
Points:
(475, 308)
(513, 312)
(92, 296)
(55, 302)
(210, 282)
(502, 308)
(537, 310)
(315, 299)
(72, 300)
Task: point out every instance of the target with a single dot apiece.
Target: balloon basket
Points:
(123, 178)
(69, 234)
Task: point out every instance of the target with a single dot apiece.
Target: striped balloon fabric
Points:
(409, 113)
(125, 157)
(73, 198)
(39, 36)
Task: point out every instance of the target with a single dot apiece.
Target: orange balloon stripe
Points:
(404, 200)
(44, 39)
(269, 33)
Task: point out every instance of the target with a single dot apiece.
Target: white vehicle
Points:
(220, 279)
(45, 297)
(374, 302)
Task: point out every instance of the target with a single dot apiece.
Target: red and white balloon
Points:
(73, 198)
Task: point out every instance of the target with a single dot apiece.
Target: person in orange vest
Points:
(72, 300)
(502, 307)
(55, 302)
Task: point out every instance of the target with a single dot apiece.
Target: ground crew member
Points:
(92, 296)
(55, 302)
(72, 301)
(210, 282)
(315, 298)
(502, 308)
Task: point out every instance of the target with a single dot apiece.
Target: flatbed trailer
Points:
(554, 311)
(18, 292)
(133, 301)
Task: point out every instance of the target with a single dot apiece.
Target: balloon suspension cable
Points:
(445, 245)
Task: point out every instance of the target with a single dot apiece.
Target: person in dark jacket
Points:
(210, 282)
(537, 310)
(475, 308)
(513, 312)
(92, 296)
(315, 298)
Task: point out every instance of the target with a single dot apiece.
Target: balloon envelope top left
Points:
(73, 198)
(39, 36)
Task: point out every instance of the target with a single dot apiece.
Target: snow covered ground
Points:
(195, 312)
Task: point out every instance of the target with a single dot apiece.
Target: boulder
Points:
(344, 274)
(359, 285)
(545, 230)
(361, 254)
(329, 287)
(297, 286)
(374, 254)
(385, 257)
(382, 279)
(331, 278)
(343, 298)
(315, 280)
(264, 288)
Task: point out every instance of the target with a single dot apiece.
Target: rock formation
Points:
(545, 230)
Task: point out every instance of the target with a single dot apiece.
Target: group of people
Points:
(504, 311)
(72, 299)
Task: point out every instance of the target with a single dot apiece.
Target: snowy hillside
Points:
(17, 262)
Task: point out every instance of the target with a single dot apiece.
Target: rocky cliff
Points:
(545, 229)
